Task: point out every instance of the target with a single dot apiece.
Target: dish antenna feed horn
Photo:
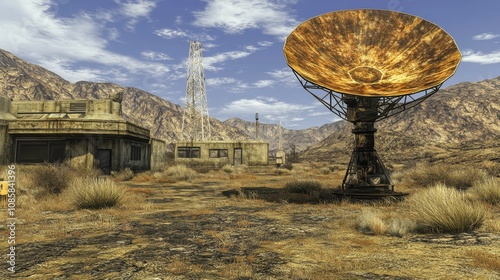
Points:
(367, 65)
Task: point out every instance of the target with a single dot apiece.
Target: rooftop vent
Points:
(78, 107)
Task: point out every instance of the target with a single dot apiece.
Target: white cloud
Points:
(485, 36)
(152, 55)
(235, 16)
(316, 114)
(220, 81)
(135, 9)
(168, 33)
(263, 83)
(210, 61)
(481, 58)
(265, 43)
(271, 108)
(30, 30)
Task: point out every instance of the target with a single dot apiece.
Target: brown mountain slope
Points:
(21, 80)
(454, 118)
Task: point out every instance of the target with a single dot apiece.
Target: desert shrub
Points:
(124, 174)
(483, 259)
(492, 167)
(53, 178)
(457, 176)
(400, 227)
(370, 222)
(95, 193)
(324, 170)
(288, 165)
(228, 168)
(181, 173)
(305, 186)
(281, 171)
(202, 166)
(487, 190)
(444, 209)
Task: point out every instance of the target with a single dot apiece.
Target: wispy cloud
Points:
(485, 36)
(215, 82)
(134, 10)
(480, 57)
(152, 55)
(168, 33)
(271, 108)
(234, 16)
(210, 62)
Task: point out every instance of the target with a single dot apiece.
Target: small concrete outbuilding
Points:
(252, 153)
(90, 133)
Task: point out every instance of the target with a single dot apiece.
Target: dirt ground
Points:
(237, 226)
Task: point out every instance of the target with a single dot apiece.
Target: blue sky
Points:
(145, 44)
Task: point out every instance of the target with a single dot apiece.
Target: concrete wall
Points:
(253, 153)
(158, 154)
(5, 144)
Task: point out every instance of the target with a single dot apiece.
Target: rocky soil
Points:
(243, 228)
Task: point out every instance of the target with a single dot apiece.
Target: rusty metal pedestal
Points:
(366, 175)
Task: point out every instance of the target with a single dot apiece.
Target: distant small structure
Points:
(89, 133)
(251, 153)
(280, 154)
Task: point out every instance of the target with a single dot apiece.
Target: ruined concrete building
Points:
(90, 133)
(252, 153)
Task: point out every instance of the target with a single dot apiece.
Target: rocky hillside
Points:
(21, 80)
(459, 116)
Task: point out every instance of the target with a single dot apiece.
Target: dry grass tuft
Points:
(484, 260)
(53, 178)
(181, 173)
(487, 190)
(228, 168)
(444, 209)
(400, 227)
(124, 175)
(281, 171)
(305, 186)
(457, 176)
(95, 193)
(324, 170)
(371, 223)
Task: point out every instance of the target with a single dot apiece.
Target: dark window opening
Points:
(40, 151)
(135, 153)
(217, 153)
(188, 152)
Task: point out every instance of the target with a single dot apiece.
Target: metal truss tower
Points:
(195, 121)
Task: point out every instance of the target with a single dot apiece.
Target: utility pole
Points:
(256, 126)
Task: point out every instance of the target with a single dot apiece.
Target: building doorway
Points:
(238, 156)
(104, 160)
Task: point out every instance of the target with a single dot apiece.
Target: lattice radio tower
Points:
(195, 120)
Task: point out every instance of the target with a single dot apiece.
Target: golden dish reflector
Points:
(372, 53)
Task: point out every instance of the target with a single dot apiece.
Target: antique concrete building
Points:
(223, 152)
(90, 133)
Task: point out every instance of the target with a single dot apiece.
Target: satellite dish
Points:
(367, 65)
